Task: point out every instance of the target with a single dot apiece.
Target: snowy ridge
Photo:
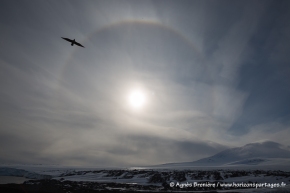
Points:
(266, 149)
(22, 173)
(260, 153)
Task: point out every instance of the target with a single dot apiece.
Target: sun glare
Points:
(137, 99)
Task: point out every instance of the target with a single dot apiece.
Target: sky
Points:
(209, 75)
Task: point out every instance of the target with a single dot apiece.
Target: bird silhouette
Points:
(73, 42)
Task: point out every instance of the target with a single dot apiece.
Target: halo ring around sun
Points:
(136, 98)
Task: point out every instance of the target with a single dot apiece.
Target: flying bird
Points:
(73, 42)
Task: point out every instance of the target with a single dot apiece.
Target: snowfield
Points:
(155, 179)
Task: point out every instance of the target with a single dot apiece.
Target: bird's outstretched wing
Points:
(69, 40)
(76, 43)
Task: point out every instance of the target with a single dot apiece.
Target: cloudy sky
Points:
(157, 81)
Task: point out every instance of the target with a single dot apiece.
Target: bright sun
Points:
(137, 99)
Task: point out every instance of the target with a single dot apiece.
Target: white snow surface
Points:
(136, 177)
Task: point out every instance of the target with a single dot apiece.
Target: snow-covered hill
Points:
(266, 149)
(267, 152)
(22, 173)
